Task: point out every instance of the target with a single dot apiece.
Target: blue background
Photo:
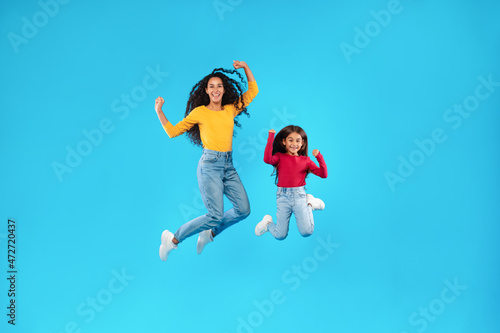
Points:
(398, 247)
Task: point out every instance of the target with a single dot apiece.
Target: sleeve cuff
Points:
(252, 85)
(168, 127)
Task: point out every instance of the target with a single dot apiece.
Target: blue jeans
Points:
(292, 200)
(217, 177)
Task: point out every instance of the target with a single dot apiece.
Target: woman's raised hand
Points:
(272, 131)
(159, 103)
(239, 64)
(315, 152)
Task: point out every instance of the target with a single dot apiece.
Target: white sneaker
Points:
(261, 227)
(316, 204)
(204, 238)
(166, 244)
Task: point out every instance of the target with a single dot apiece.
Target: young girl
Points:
(288, 155)
(213, 105)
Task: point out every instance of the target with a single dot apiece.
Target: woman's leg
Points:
(284, 211)
(210, 181)
(303, 214)
(235, 192)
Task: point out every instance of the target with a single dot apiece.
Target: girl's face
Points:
(215, 90)
(293, 144)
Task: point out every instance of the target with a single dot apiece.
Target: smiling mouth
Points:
(215, 95)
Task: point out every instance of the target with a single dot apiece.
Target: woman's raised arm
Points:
(241, 64)
(158, 104)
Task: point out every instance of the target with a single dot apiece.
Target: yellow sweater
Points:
(216, 127)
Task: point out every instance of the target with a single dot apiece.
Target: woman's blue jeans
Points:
(217, 177)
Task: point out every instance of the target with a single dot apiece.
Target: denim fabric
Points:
(292, 200)
(217, 177)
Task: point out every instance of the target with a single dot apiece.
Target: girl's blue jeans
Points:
(292, 200)
(217, 177)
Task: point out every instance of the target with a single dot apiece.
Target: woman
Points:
(209, 121)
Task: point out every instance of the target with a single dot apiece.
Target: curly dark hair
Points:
(279, 147)
(232, 95)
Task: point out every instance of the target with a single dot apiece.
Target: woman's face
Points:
(215, 90)
(293, 143)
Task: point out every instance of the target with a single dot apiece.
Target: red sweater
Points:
(292, 170)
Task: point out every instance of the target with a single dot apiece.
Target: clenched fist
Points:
(239, 64)
(159, 103)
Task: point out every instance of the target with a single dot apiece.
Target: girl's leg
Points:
(235, 191)
(280, 229)
(210, 175)
(303, 214)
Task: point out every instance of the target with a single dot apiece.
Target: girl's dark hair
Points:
(279, 147)
(232, 95)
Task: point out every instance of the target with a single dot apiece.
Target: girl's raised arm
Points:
(269, 158)
(322, 170)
